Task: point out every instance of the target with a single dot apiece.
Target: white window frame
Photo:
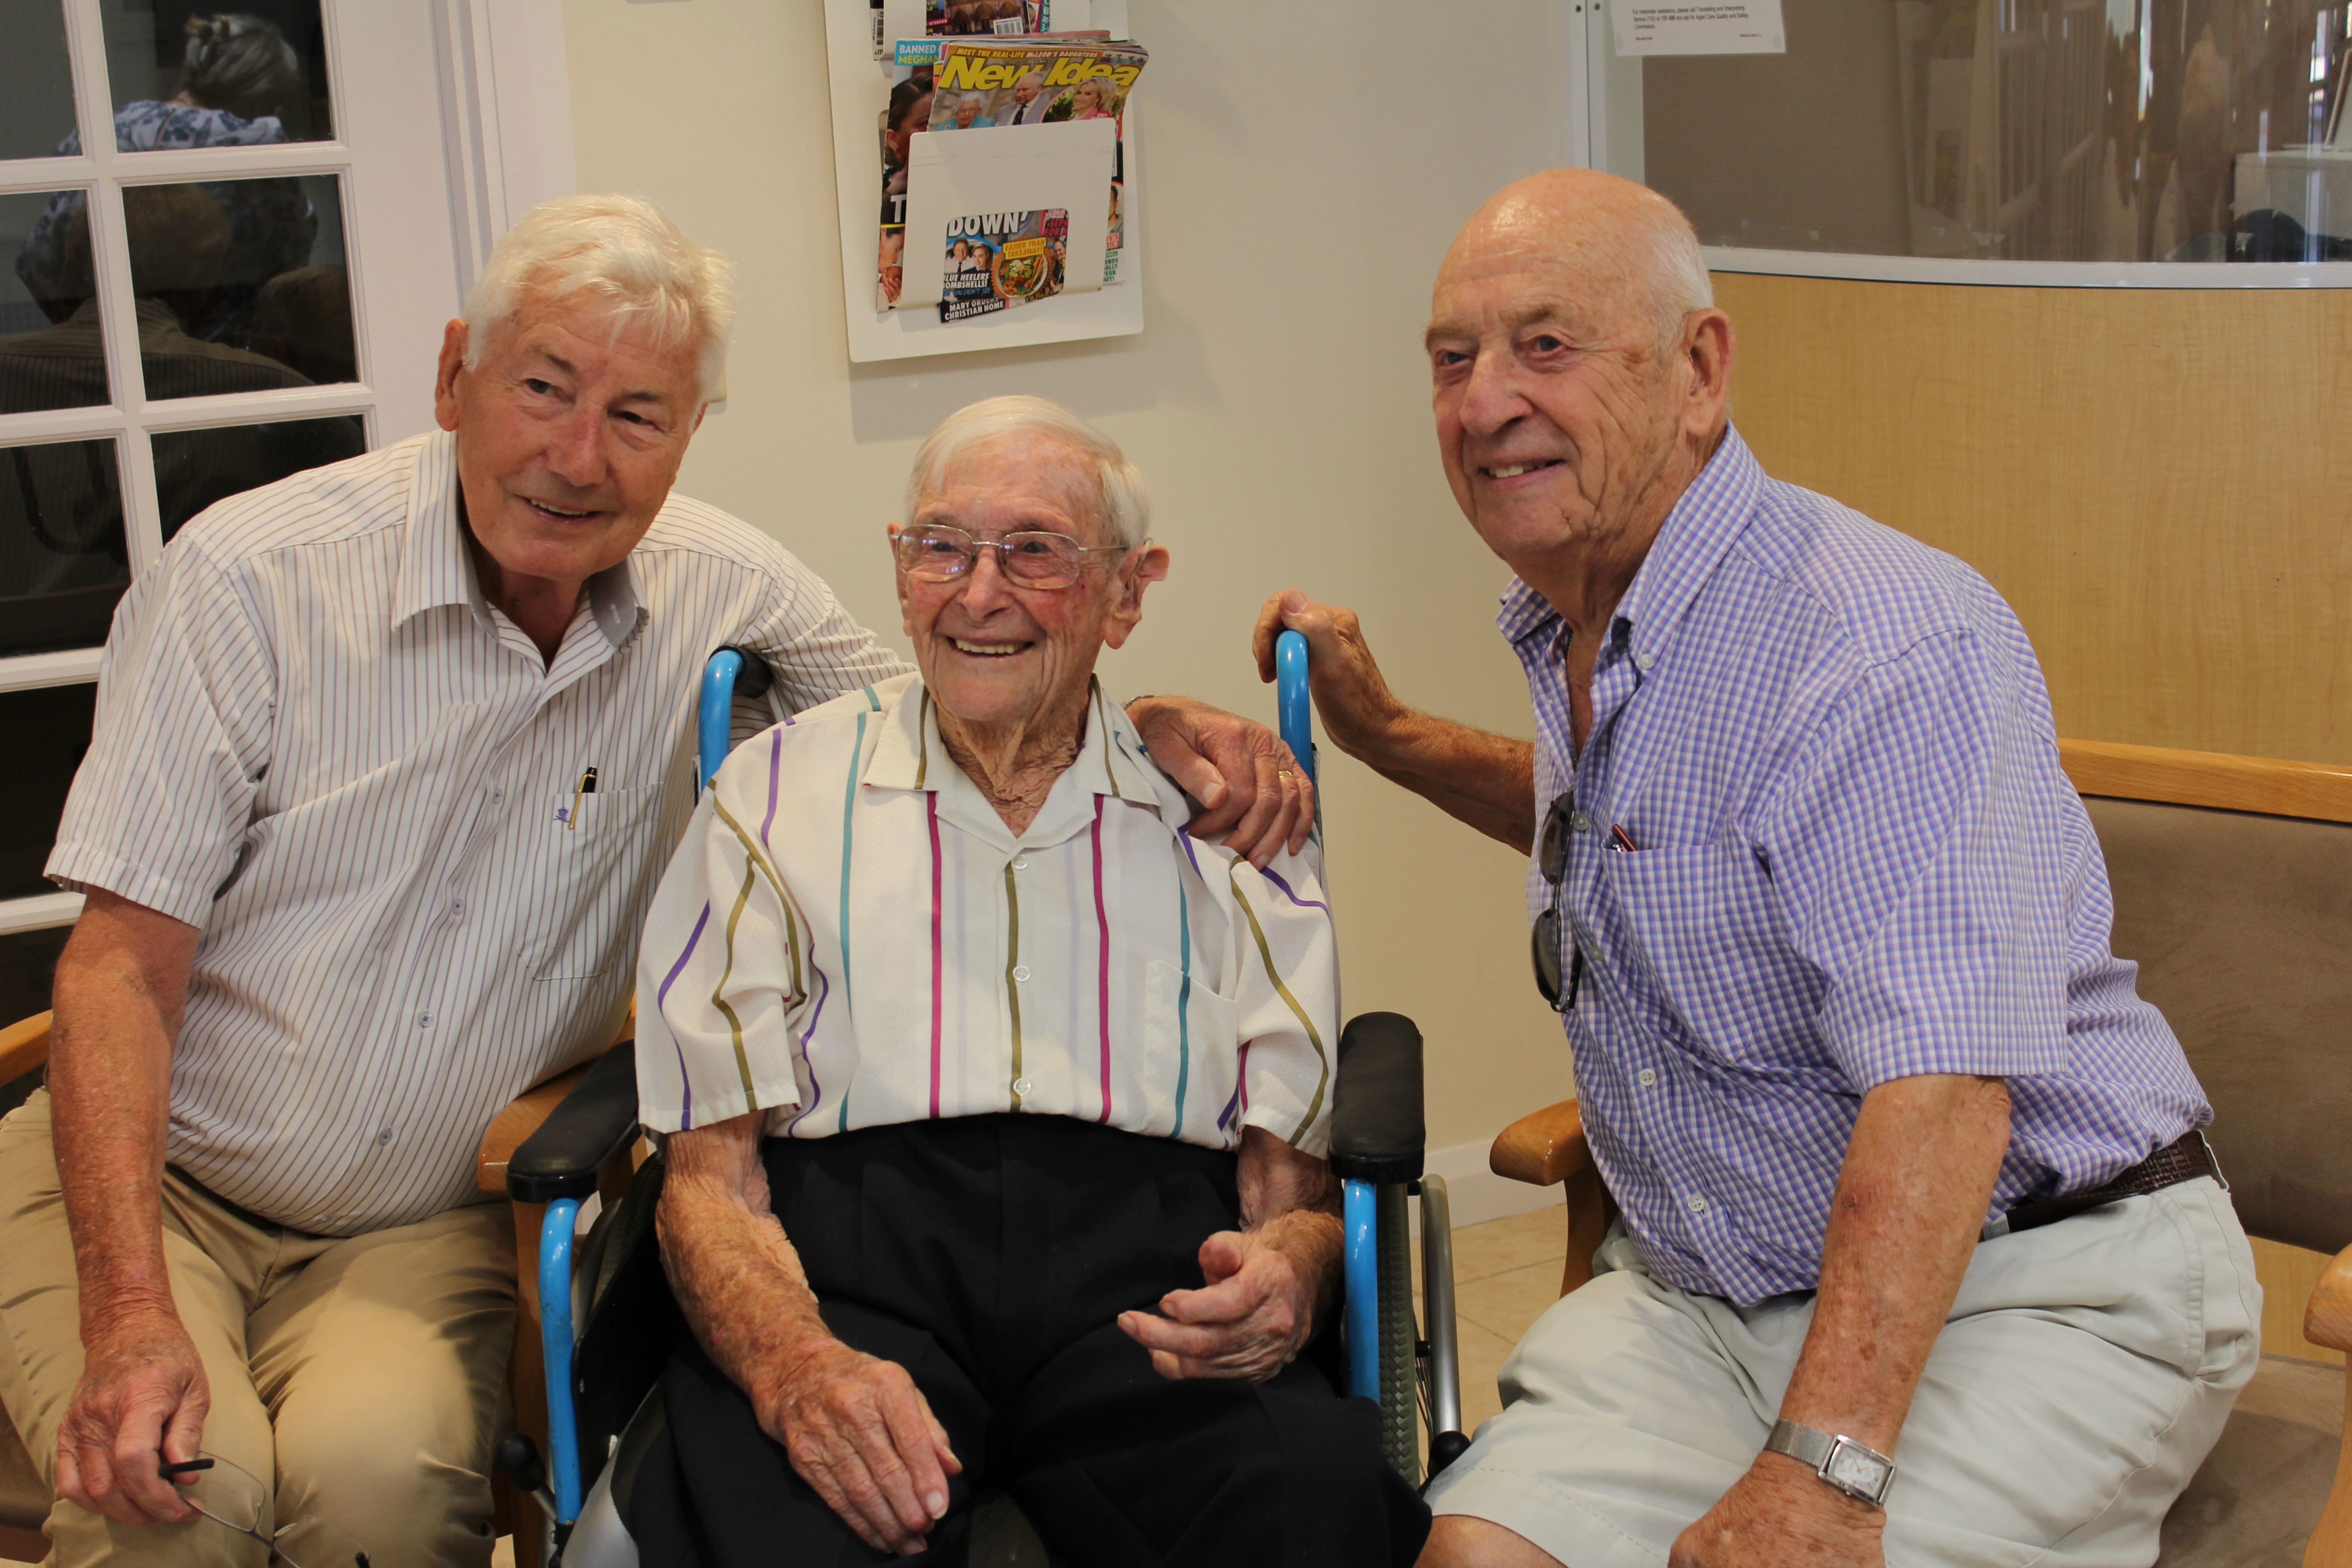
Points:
(504, 124)
(1604, 131)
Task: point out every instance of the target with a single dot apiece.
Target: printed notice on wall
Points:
(1698, 26)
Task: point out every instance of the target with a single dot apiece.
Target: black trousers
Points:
(990, 1255)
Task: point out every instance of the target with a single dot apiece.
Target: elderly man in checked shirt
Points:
(997, 1106)
(1920, 1256)
(388, 756)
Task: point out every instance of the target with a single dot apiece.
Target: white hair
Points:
(628, 255)
(1122, 507)
(1673, 270)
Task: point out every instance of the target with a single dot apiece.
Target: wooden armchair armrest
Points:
(2327, 1319)
(517, 1122)
(24, 1046)
(1543, 1148)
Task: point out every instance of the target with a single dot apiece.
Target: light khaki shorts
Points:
(2085, 1369)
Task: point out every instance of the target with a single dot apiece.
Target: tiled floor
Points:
(1505, 1272)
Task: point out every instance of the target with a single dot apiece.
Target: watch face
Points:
(1857, 1469)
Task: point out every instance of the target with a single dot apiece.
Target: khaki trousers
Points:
(364, 1377)
(2085, 1369)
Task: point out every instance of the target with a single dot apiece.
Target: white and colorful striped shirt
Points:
(850, 936)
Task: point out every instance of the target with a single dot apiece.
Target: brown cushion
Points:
(2242, 929)
(2256, 1502)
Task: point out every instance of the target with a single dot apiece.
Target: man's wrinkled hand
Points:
(1781, 1515)
(141, 1404)
(862, 1434)
(1251, 789)
(1350, 694)
(1254, 1314)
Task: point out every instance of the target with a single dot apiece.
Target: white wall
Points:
(1283, 422)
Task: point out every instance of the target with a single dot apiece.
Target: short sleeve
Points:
(1919, 853)
(815, 649)
(718, 971)
(186, 693)
(1288, 1003)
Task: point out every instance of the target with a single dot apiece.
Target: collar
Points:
(1112, 762)
(436, 568)
(1703, 522)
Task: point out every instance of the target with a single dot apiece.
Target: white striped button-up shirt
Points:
(319, 743)
(851, 937)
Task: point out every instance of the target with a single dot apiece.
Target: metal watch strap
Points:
(1819, 1452)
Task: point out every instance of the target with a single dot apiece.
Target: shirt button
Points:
(1581, 821)
(1648, 1077)
(1022, 1087)
(457, 906)
(1021, 862)
(1698, 1203)
(385, 1136)
(497, 797)
(1643, 659)
(1021, 973)
(424, 1020)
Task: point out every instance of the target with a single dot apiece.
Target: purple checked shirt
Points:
(1857, 859)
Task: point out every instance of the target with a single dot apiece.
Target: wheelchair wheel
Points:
(1399, 1341)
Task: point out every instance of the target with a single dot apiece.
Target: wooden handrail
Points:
(2320, 792)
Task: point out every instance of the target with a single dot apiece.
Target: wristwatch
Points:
(1854, 1468)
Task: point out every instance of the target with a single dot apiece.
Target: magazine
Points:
(980, 84)
(997, 260)
(963, 18)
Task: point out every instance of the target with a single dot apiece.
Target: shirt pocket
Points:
(586, 861)
(1192, 1050)
(1704, 926)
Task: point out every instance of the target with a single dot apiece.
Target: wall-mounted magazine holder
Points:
(1005, 167)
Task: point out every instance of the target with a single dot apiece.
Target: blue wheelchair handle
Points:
(1360, 1322)
(555, 1347)
(1295, 712)
(713, 714)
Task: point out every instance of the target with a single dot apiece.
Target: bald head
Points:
(1621, 246)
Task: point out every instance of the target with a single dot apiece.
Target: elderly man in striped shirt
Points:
(387, 758)
(1899, 1154)
(992, 1093)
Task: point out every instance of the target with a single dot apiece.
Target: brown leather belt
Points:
(2184, 1160)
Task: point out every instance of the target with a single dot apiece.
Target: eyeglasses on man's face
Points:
(230, 1495)
(1030, 558)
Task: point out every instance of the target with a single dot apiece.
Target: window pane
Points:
(241, 285)
(36, 78)
(2022, 129)
(47, 731)
(28, 962)
(50, 355)
(210, 76)
(194, 469)
(63, 562)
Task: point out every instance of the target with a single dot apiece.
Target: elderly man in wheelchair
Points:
(995, 1107)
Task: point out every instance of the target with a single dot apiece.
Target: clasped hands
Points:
(864, 1437)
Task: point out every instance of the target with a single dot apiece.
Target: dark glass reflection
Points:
(221, 313)
(63, 560)
(47, 731)
(2020, 129)
(51, 356)
(251, 73)
(194, 469)
(29, 964)
(36, 81)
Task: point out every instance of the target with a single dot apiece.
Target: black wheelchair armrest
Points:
(593, 1123)
(1377, 1133)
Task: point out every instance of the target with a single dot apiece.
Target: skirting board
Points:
(1476, 1194)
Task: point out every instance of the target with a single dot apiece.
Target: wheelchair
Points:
(606, 1320)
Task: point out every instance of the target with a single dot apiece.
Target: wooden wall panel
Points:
(2159, 480)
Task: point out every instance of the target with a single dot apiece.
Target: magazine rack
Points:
(861, 91)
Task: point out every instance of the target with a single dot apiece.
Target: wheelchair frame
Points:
(1377, 1148)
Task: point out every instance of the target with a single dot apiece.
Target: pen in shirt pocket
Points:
(1620, 840)
(587, 785)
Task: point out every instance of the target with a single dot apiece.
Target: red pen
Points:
(1622, 840)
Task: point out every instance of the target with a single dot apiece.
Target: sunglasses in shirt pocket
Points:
(586, 866)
